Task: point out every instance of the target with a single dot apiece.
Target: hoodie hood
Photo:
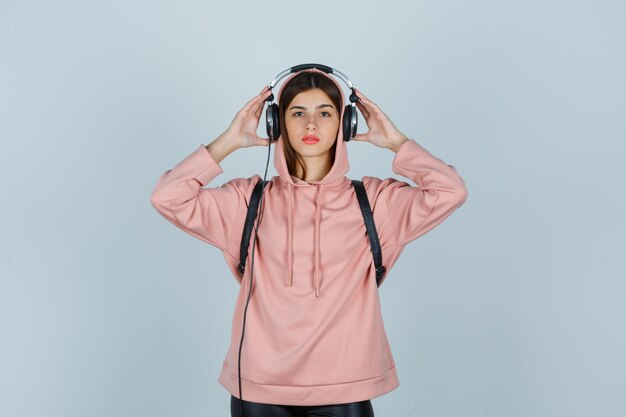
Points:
(334, 178)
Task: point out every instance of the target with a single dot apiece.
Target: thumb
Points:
(262, 141)
(360, 137)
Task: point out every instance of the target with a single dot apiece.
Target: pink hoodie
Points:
(314, 328)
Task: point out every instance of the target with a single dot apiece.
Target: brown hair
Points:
(304, 81)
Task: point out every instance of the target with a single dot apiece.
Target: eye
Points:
(296, 113)
(325, 112)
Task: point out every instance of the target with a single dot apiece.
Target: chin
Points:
(312, 150)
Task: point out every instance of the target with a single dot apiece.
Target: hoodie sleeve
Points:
(205, 213)
(439, 191)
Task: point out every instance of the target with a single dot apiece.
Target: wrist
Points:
(221, 147)
(397, 143)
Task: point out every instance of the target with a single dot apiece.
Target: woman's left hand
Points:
(382, 131)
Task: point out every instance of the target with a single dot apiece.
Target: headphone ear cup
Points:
(355, 121)
(347, 123)
(272, 122)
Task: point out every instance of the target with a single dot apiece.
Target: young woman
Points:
(315, 342)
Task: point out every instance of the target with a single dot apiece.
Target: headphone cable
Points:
(258, 219)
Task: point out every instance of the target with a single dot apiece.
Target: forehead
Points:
(312, 95)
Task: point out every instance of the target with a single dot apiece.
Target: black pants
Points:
(252, 409)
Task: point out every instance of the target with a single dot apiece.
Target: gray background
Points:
(512, 307)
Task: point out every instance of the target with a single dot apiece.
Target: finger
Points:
(368, 102)
(260, 97)
(365, 100)
(261, 103)
(360, 94)
(363, 110)
(370, 107)
(254, 105)
(259, 109)
(263, 94)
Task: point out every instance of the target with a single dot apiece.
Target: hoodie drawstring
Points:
(289, 239)
(316, 243)
(318, 211)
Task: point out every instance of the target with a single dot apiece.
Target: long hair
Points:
(304, 81)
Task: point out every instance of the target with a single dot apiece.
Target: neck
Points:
(316, 167)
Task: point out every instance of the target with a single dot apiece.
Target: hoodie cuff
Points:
(202, 161)
(406, 153)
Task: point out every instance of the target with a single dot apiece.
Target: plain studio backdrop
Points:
(512, 307)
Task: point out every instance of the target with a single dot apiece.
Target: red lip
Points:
(310, 137)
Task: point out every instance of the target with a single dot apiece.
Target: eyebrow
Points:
(318, 107)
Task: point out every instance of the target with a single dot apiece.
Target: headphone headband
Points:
(321, 67)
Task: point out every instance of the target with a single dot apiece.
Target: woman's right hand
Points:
(242, 130)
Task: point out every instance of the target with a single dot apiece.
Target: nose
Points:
(310, 124)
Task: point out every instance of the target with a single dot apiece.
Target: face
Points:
(312, 112)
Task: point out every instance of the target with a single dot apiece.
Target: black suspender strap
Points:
(365, 211)
(247, 228)
(371, 229)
